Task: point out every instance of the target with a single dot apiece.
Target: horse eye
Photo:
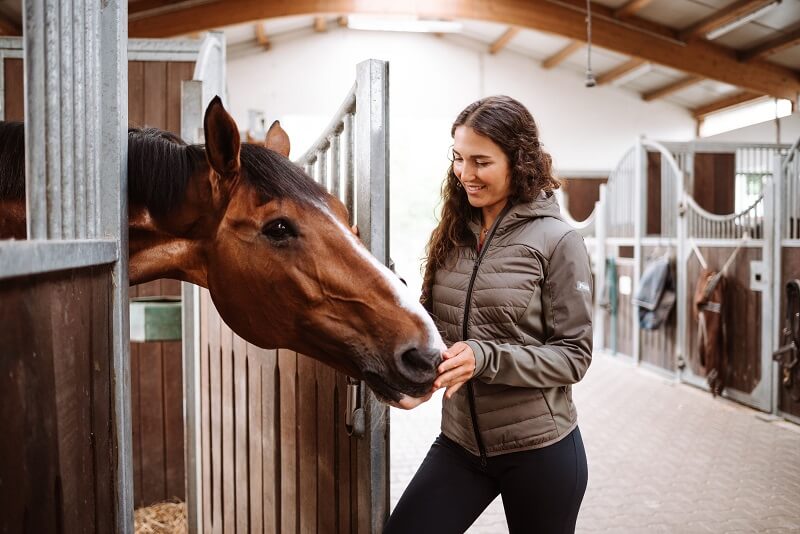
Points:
(279, 230)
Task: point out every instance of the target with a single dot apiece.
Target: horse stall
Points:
(64, 397)
(700, 206)
(278, 442)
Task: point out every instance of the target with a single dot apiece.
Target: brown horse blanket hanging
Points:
(709, 310)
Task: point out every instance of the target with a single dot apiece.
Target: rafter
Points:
(503, 40)
(670, 88)
(560, 56)
(261, 36)
(736, 99)
(724, 16)
(631, 8)
(620, 71)
(634, 36)
(773, 46)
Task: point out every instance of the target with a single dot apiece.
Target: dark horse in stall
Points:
(272, 247)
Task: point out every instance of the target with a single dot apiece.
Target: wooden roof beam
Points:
(320, 24)
(733, 100)
(503, 40)
(261, 36)
(620, 71)
(670, 88)
(773, 46)
(631, 8)
(726, 15)
(633, 37)
(560, 56)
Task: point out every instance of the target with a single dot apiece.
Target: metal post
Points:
(192, 132)
(372, 185)
(639, 229)
(600, 268)
(113, 222)
(682, 252)
(778, 217)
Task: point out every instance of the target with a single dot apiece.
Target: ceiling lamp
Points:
(402, 24)
(741, 21)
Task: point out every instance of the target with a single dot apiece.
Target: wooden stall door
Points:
(276, 456)
(154, 89)
(790, 270)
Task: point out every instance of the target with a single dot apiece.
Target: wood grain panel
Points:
(241, 418)
(289, 511)
(14, 90)
(228, 453)
(658, 347)
(582, 193)
(714, 182)
(307, 442)
(172, 361)
(55, 397)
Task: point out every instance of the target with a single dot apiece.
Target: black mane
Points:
(160, 165)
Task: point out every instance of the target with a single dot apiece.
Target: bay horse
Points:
(271, 245)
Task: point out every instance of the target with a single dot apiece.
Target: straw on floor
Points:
(161, 518)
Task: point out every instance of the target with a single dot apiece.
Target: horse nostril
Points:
(420, 361)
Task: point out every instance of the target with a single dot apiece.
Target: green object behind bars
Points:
(155, 319)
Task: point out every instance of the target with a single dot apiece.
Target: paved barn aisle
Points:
(662, 458)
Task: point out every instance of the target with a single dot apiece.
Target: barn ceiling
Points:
(705, 55)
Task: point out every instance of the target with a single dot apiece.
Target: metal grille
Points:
(621, 188)
(790, 195)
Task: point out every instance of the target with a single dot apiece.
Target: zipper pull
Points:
(483, 460)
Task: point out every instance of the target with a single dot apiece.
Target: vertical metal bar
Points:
(113, 145)
(322, 168)
(336, 185)
(600, 265)
(79, 113)
(372, 119)
(67, 200)
(35, 120)
(777, 184)
(191, 126)
(52, 117)
(639, 227)
(348, 161)
(91, 117)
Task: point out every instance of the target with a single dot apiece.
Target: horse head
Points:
(281, 264)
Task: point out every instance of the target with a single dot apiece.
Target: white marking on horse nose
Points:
(403, 295)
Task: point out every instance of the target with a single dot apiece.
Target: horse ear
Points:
(278, 139)
(222, 139)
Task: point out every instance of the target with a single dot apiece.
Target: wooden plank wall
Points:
(57, 445)
(658, 346)
(154, 99)
(14, 97)
(715, 182)
(742, 313)
(791, 270)
(275, 453)
(624, 330)
(582, 193)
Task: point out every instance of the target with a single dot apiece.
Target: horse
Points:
(273, 248)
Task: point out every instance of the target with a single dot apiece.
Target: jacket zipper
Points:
(467, 305)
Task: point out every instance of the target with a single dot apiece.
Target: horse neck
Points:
(172, 245)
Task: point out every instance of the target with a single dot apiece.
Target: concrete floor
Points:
(663, 457)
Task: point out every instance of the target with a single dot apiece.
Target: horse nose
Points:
(419, 365)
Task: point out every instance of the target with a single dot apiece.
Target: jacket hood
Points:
(545, 205)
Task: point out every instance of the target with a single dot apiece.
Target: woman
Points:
(509, 284)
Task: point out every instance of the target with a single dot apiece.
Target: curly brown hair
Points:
(511, 127)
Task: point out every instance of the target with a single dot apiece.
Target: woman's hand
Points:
(458, 367)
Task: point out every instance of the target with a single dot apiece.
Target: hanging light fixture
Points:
(590, 81)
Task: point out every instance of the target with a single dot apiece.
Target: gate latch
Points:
(354, 417)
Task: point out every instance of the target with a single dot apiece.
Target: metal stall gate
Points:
(64, 381)
(786, 377)
(274, 453)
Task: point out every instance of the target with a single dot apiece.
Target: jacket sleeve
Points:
(567, 306)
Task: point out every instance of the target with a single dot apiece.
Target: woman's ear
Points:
(222, 139)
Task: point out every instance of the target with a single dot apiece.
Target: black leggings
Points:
(542, 489)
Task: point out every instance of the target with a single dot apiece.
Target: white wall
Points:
(302, 81)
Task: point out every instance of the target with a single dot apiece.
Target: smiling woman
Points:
(508, 282)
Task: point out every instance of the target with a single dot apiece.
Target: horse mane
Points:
(160, 165)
